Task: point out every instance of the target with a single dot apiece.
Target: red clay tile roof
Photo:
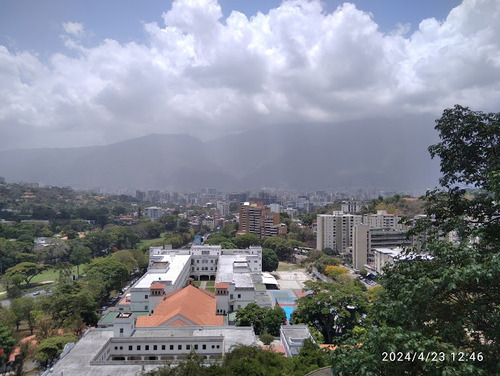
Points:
(221, 285)
(157, 286)
(189, 305)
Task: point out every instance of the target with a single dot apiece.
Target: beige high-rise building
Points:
(335, 230)
(257, 219)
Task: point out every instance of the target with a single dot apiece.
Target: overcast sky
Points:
(77, 73)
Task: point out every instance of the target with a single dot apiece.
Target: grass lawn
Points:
(52, 275)
(197, 283)
(210, 283)
(45, 276)
(285, 266)
(150, 242)
(211, 289)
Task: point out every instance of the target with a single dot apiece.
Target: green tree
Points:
(246, 240)
(80, 255)
(70, 300)
(49, 349)
(65, 269)
(27, 269)
(273, 319)
(6, 343)
(109, 272)
(252, 315)
(126, 257)
(269, 260)
(334, 309)
(447, 299)
(263, 320)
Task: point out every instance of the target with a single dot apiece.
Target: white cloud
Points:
(73, 28)
(201, 73)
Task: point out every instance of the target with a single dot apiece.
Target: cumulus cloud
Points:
(199, 73)
(73, 28)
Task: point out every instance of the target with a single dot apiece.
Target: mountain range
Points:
(370, 153)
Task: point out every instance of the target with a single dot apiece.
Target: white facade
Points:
(153, 212)
(335, 230)
(166, 266)
(223, 208)
(384, 220)
(276, 208)
(383, 256)
(240, 269)
(351, 207)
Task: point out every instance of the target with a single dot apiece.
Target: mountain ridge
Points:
(375, 153)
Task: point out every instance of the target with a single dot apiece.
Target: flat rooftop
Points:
(77, 361)
(176, 264)
(225, 272)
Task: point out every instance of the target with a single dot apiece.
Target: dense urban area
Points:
(271, 282)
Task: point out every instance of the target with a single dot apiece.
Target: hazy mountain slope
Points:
(375, 153)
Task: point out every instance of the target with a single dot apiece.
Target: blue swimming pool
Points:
(288, 310)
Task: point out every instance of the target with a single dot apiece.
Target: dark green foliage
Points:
(263, 320)
(6, 343)
(72, 299)
(269, 260)
(27, 269)
(109, 273)
(449, 302)
(266, 338)
(80, 255)
(334, 309)
(246, 240)
(49, 349)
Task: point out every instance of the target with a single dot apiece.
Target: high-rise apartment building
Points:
(335, 230)
(257, 219)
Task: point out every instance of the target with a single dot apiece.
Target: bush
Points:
(266, 338)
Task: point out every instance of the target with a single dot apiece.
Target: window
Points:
(147, 347)
(179, 347)
(138, 347)
(218, 346)
(146, 296)
(121, 330)
(204, 347)
(196, 347)
(163, 347)
(116, 347)
(188, 347)
(239, 296)
(155, 347)
(171, 347)
(121, 347)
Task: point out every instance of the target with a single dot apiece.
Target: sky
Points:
(86, 73)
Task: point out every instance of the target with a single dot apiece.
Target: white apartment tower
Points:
(335, 230)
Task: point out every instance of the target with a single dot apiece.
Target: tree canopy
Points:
(449, 299)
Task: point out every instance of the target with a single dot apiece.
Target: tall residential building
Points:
(384, 220)
(365, 239)
(335, 230)
(351, 206)
(223, 208)
(257, 219)
(361, 246)
(153, 212)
